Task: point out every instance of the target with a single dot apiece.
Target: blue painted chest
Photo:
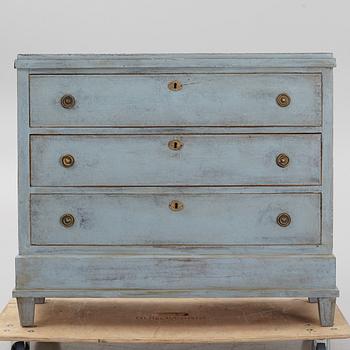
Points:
(189, 175)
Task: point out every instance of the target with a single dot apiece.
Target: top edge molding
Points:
(223, 60)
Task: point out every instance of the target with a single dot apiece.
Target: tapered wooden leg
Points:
(39, 300)
(313, 300)
(326, 309)
(26, 310)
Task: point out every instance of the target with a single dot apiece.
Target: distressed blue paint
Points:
(126, 241)
(205, 100)
(203, 160)
(205, 219)
(181, 61)
(176, 273)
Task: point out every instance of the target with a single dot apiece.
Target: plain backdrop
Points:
(131, 26)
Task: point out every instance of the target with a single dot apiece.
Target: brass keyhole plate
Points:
(175, 145)
(175, 85)
(176, 205)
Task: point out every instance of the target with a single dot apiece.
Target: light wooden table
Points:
(177, 324)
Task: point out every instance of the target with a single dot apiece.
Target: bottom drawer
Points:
(186, 219)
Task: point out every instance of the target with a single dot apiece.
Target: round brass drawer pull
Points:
(175, 85)
(283, 219)
(176, 205)
(67, 101)
(283, 100)
(175, 145)
(67, 220)
(282, 160)
(67, 160)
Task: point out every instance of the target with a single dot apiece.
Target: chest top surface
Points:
(189, 60)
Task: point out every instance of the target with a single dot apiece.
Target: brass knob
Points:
(283, 219)
(67, 220)
(282, 160)
(176, 205)
(283, 100)
(175, 85)
(67, 160)
(67, 101)
(175, 145)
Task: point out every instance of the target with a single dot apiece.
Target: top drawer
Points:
(175, 100)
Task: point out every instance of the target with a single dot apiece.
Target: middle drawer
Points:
(182, 160)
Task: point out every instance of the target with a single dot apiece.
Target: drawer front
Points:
(155, 219)
(188, 160)
(150, 100)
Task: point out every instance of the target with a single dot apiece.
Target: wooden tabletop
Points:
(172, 321)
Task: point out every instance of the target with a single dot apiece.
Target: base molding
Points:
(199, 293)
(240, 275)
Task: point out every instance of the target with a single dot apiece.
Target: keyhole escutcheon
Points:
(176, 205)
(175, 85)
(175, 145)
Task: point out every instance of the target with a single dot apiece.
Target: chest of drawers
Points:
(194, 175)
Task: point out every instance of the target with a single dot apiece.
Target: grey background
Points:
(136, 26)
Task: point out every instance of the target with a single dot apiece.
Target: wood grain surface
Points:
(172, 321)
